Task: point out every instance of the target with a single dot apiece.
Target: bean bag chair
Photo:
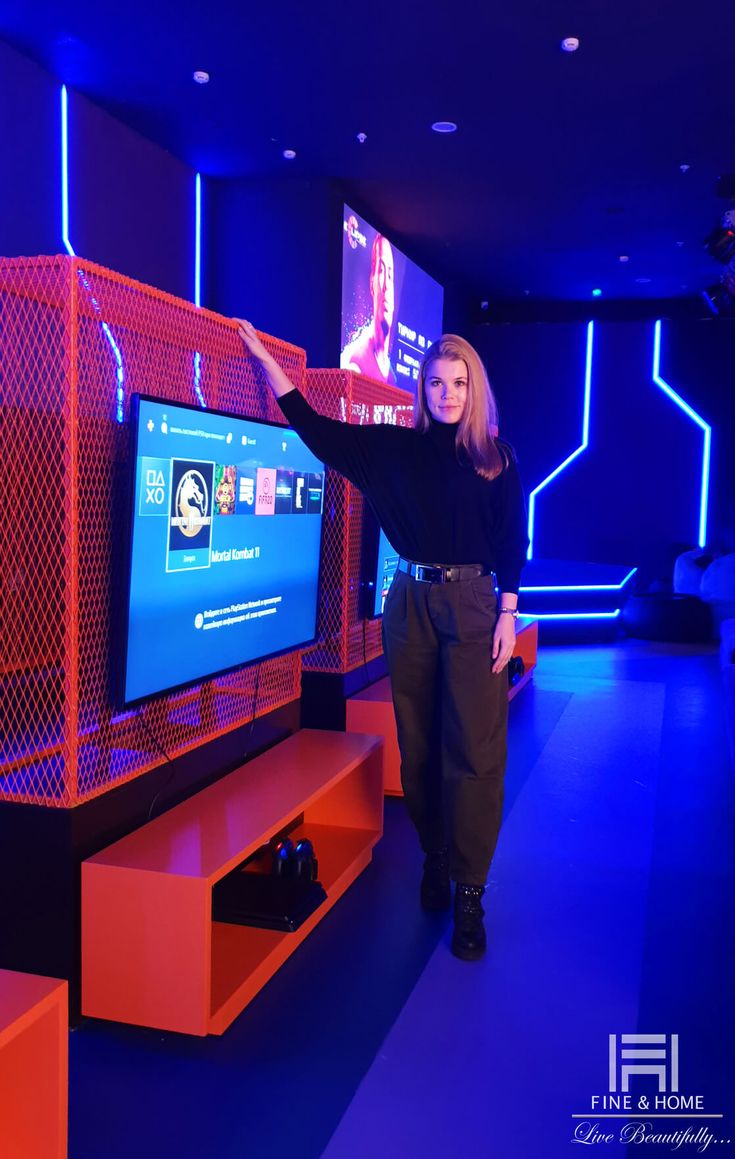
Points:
(727, 656)
(689, 569)
(673, 617)
(718, 588)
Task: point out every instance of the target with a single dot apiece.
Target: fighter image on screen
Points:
(191, 503)
(369, 352)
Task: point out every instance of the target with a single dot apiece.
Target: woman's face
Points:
(445, 387)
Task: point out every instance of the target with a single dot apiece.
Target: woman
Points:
(448, 495)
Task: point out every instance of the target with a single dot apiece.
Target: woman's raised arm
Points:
(354, 451)
(278, 381)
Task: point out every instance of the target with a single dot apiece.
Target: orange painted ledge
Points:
(34, 1069)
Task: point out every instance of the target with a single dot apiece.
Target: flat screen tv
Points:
(379, 563)
(225, 538)
(391, 309)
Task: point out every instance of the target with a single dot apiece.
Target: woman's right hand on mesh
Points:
(250, 337)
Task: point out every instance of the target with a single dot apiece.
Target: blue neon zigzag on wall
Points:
(580, 587)
(704, 495)
(692, 414)
(573, 615)
(119, 368)
(570, 458)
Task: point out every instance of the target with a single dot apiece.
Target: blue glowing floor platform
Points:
(557, 589)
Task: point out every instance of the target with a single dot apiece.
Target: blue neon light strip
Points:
(581, 587)
(198, 380)
(119, 371)
(65, 172)
(198, 282)
(573, 615)
(198, 240)
(692, 414)
(583, 446)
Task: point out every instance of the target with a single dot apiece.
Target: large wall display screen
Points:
(225, 543)
(391, 309)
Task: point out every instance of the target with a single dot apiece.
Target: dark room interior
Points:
(215, 938)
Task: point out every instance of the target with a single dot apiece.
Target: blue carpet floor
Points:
(609, 911)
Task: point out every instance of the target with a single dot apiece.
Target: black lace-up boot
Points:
(468, 941)
(436, 892)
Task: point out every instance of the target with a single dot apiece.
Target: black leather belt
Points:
(444, 573)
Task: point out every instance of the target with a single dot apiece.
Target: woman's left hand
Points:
(504, 641)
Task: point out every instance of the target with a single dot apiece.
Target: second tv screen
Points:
(391, 309)
(385, 570)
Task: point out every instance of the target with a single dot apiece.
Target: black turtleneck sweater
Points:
(432, 505)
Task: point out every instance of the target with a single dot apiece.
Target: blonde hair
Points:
(476, 432)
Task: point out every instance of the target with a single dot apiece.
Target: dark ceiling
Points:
(561, 163)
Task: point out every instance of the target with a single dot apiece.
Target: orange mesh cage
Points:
(345, 639)
(75, 341)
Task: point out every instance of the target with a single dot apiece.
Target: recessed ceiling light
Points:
(569, 44)
(444, 127)
(289, 154)
(597, 293)
(201, 77)
(623, 258)
(643, 281)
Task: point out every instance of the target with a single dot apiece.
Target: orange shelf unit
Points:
(527, 648)
(151, 953)
(34, 1046)
(371, 711)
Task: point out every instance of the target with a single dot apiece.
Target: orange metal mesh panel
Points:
(34, 439)
(345, 639)
(75, 341)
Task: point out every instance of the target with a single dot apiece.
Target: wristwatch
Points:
(509, 612)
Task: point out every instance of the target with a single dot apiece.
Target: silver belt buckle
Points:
(421, 569)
